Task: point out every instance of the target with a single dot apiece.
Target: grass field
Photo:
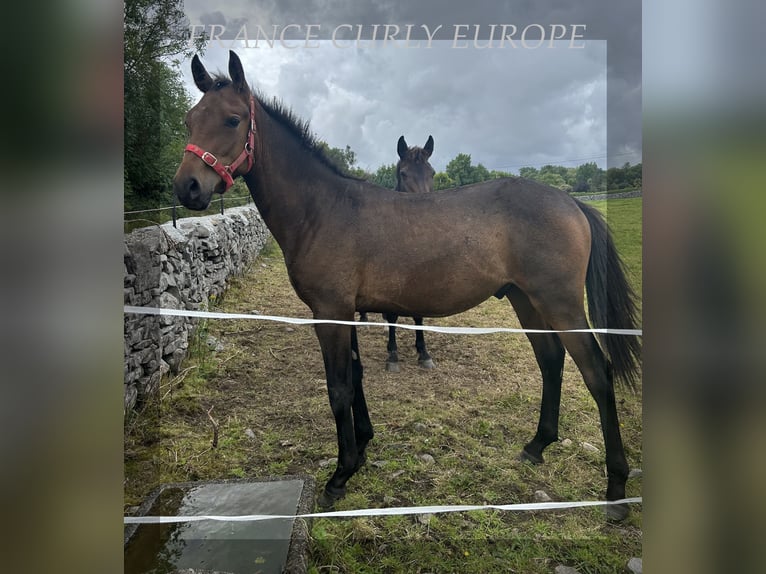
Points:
(471, 416)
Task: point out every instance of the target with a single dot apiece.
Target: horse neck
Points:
(289, 185)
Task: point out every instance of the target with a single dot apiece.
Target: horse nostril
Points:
(193, 185)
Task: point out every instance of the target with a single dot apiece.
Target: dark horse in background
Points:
(413, 175)
(438, 254)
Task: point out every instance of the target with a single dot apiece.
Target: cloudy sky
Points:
(505, 107)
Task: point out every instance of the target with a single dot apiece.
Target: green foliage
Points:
(443, 181)
(588, 177)
(344, 159)
(385, 176)
(625, 177)
(155, 99)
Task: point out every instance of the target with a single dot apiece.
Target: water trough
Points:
(215, 547)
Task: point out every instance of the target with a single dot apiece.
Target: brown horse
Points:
(413, 175)
(437, 254)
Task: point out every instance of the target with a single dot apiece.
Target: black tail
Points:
(611, 300)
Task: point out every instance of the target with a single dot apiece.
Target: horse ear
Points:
(429, 147)
(201, 78)
(236, 73)
(402, 147)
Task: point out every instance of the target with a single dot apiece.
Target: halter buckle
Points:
(209, 158)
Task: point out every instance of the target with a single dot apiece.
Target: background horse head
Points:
(413, 172)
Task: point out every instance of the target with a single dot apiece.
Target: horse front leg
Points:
(335, 342)
(392, 362)
(424, 359)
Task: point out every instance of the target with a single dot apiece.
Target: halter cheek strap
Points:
(226, 172)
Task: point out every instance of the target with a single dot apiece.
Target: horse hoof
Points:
(617, 512)
(392, 367)
(525, 456)
(327, 499)
(427, 364)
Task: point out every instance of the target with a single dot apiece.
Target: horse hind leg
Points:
(424, 359)
(392, 362)
(597, 374)
(363, 431)
(549, 353)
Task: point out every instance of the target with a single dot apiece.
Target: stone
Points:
(561, 569)
(424, 518)
(169, 267)
(426, 458)
(214, 344)
(566, 443)
(635, 565)
(635, 473)
(586, 446)
(542, 496)
(250, 434)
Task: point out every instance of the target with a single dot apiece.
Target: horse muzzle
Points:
(195, 189)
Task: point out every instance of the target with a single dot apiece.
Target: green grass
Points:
(624, 217)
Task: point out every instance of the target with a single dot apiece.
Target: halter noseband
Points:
(227, 171)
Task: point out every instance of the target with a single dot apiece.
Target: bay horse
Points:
(438, 254)
(414, 174)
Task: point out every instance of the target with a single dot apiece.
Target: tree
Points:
(344, 159)
(385, 176)
(443, 181)
(528, 172)
(459, 169)
(587, 177)
(155, 29)
(155, 100)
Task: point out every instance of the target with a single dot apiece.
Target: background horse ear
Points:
(236, 73)
(201, 78)
(402, 147)
(429, 147)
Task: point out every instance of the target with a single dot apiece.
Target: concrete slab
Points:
(207, 547)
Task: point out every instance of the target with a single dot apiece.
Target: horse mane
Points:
(282, 114)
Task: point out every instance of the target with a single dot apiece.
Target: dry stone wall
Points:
(179, 268)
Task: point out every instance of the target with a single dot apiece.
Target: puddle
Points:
(263, 547)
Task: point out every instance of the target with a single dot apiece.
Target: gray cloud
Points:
(505, 107)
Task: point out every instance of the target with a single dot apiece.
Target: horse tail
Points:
(611, 300)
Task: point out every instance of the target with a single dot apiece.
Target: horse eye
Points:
(232, 122)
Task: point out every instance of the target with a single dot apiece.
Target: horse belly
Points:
(434, 290)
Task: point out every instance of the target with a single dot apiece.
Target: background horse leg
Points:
(392, 362)
(335, 341)
(424, 359)
(363, 432)
(549, 353)
(598, 378)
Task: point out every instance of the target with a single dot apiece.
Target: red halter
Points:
(227, 171)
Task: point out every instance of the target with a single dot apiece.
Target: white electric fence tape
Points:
(397, 511)
(299, 321)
